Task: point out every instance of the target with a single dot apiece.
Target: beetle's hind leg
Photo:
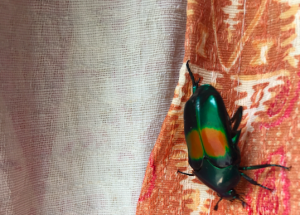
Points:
(185, 173)
(195, 83)
(263, 166)
(253, 182)
(237, 118)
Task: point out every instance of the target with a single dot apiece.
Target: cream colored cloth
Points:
(84, 89)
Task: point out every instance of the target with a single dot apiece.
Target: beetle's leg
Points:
(237, 118)
(195, 84)
(185, 173)
(236, 136)
(262, 166)
(216, 206)
(253, 182)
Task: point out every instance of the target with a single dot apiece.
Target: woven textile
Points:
(249, 51)
(84, 88)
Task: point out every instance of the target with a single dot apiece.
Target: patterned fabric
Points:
(248, 50)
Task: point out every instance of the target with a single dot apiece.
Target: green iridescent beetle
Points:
(212, 138)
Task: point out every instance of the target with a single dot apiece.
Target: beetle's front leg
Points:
(216, 206)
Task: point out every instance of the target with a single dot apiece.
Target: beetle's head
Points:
(230, 195)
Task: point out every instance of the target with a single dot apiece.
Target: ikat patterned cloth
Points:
(249, 51)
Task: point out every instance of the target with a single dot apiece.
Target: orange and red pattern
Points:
(214, 141)
(248, 50)
(196, 150)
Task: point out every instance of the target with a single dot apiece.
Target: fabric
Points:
(84, 89)
(249, 51)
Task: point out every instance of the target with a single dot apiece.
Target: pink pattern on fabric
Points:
(288, 111)
(268, 202)
(280, 100)
(152, 182)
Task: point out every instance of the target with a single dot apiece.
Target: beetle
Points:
(212, 138)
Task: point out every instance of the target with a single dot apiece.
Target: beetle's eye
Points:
(231, 192)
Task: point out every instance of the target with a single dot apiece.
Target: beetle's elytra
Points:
(212, 137)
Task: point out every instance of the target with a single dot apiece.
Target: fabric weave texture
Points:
(84, 88)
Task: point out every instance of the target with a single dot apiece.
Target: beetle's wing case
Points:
(192, 136)
(208, 130)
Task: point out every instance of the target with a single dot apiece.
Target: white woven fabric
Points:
(85, 86)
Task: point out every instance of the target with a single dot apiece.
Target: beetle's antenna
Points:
(243, 203)
(216, 206)
(240, 195)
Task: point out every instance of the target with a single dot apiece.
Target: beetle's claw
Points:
(289, 168)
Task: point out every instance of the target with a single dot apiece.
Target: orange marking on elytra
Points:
(195, 146)
(214, 142)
